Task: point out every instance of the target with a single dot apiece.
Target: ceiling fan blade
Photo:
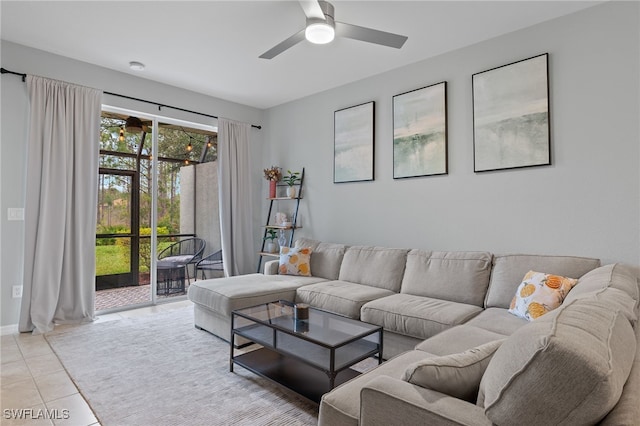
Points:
(370, 35)
(312, 9)
(281, 47)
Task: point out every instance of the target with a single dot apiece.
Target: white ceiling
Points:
(212, 47)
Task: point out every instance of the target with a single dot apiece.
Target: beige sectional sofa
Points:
(577, 364)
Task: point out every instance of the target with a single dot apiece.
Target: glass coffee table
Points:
(309, 357)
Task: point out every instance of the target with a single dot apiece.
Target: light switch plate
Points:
(15, 213)
(17, 291)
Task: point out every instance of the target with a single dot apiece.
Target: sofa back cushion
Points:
(375, 266)
(461, 276)
(508, 271)
(457, 375)
(616, 275)
(326, 258)
(566, 367)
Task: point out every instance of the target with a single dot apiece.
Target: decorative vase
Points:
(270, 247)
(291, 192)
(282, 239)
(272, 189)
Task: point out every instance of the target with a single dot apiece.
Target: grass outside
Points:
(111, 260)
(115, 259)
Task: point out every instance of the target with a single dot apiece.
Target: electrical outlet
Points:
(17, 291)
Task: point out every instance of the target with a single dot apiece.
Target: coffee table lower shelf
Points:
(291, 373)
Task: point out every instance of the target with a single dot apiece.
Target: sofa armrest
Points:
(389, 401)
(271, 267)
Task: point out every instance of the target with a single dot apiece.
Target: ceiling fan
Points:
(321, 28)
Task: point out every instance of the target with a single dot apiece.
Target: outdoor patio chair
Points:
(173, 263)
(212, 262)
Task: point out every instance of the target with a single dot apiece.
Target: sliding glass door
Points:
(123, 251)
(157, 193)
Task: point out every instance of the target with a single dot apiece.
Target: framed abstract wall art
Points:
(420, 132)
(353, 143)
(511, 127)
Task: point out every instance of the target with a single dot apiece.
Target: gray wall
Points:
(207, 208)
(14, 109)
(203, 197)
(587, 203)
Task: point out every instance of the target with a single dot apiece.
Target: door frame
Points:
(134, 225)
(196, 124)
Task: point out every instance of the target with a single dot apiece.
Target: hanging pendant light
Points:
(189, 147)
(133, 125)
(121, 138)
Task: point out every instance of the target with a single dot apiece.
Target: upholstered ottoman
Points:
(215, 299)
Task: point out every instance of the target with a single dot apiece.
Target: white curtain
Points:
(60, 205)
(236, 206)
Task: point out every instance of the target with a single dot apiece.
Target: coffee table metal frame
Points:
(308, 357)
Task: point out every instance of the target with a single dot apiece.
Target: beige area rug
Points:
(160, 370)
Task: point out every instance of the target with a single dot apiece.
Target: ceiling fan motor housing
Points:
(327, 9)
(321, 31)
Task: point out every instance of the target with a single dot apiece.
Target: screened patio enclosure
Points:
(176, 194)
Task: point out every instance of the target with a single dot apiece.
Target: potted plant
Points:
(271, 235)
(273, 175)
(291, 179)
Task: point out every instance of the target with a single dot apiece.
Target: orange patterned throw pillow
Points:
(540, 293)
(295, 261)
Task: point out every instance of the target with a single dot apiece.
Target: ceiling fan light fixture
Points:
(320, 32)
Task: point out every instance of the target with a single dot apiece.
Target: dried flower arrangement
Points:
(273, 173)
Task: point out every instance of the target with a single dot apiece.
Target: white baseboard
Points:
(8, 329)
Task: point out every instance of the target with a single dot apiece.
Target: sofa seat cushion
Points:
(416, 316)
(224, 295)
(341, 406)
(374, 266)
(457, 339)
(457, 276)
(340, 297)
(498, 320)
(508, 271)
(566, 367)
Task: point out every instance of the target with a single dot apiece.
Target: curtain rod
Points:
(24, 76)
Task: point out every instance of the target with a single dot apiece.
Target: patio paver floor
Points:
(125, 296)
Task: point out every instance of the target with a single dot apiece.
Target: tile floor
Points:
(34, 387)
